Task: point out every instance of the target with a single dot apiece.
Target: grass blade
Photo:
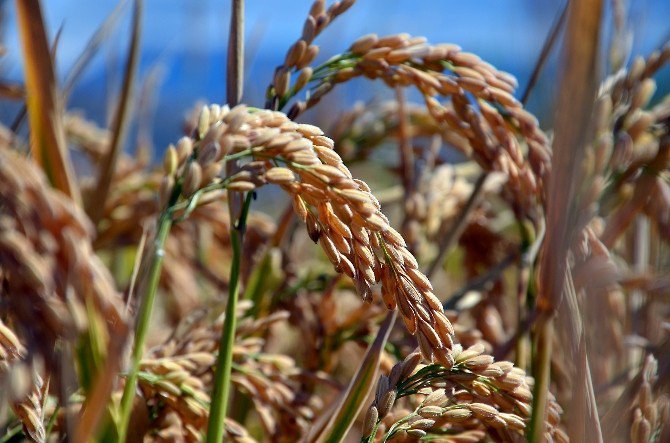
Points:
(96, 203)
(573, 113)
(584, 424)
(97, 400)
(20, 117)
(359, 388)
(48, 145)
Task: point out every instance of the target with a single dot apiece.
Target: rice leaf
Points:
(47, 137)
(95, 205)
(352, 400)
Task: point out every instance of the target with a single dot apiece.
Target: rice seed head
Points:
(350, 228)
(46, 251)
(395, 59)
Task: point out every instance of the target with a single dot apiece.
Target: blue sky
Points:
(184, 42)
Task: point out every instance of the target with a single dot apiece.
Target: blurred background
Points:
(183, 49)
(488, 257)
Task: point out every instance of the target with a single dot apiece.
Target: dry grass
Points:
(488, 255)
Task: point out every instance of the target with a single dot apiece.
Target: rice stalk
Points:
(222, 381)
(142, 322)
(234, 89)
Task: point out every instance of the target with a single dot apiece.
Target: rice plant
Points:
(158, 301)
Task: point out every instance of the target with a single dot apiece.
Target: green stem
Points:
(11, 433)
(52, 421)
(541, 388)
(371, 438)
(320, 73)
(224, 361)
(146, 307)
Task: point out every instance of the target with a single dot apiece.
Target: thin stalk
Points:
(234, 90)
(404, 144)
(542, 374)
(235, 62)
(224, 360)
(447, 241)
(526, 295)
(101, 35)
(164, 224)
(52, 421)
(549, 43)
(481, 281)
(11, 433)
(370, 438)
